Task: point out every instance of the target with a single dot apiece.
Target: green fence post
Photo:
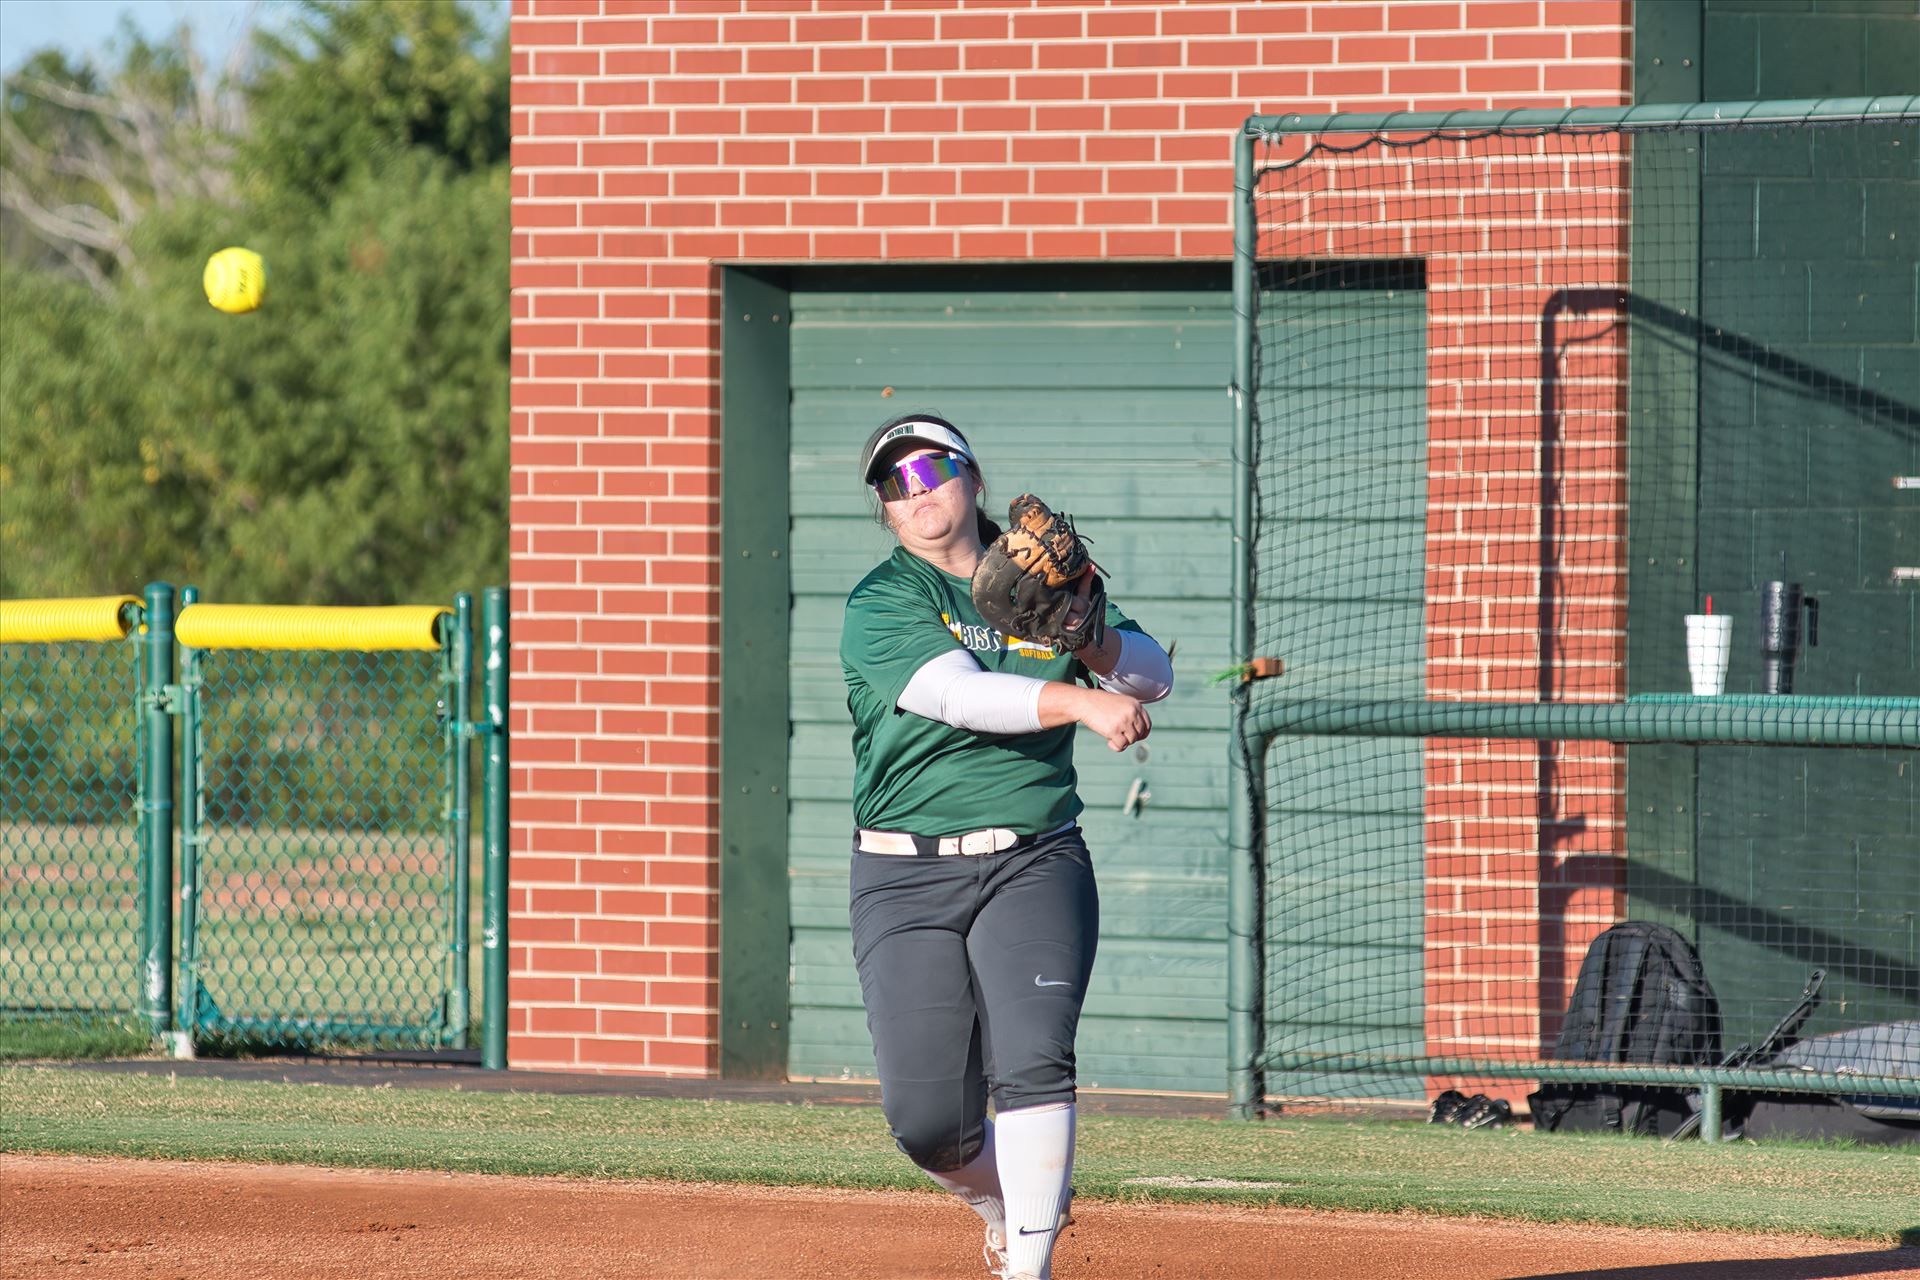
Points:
(1244, 1086)
(187, 989)
(156, 809)
(493, 1054)
(459, 745)
(1710, 1113)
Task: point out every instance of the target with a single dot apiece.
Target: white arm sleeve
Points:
(1144, 670)
(954, 690)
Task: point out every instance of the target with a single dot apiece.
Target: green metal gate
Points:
(325, 858)
(324, 866)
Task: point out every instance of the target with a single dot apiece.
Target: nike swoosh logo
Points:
(1044, 1231)
(1038, 981)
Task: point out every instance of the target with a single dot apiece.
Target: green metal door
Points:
(1104, 391)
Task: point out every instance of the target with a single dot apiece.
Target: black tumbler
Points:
(1780, 604)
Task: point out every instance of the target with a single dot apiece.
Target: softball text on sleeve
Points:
(919, 775)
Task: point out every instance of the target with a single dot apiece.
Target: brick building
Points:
(745, 231)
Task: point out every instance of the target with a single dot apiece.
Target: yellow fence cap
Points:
(53, 621)
(264, 626)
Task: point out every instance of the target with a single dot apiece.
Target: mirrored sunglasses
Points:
(928, 471)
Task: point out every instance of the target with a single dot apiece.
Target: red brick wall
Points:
(652, 140)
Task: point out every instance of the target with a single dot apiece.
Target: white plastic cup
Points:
(1709, 645)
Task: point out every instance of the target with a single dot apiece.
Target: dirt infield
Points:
(123, 1218)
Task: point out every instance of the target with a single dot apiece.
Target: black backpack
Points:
(1641, 997)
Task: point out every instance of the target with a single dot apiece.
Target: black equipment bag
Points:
(1641, 997)
(1736, 1107)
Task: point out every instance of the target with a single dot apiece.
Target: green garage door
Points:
(1104, 392)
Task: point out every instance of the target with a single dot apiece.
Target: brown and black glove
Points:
(1037, 582)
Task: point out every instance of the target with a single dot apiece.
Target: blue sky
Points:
(86, 26)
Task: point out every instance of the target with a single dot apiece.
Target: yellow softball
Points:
(235, 280)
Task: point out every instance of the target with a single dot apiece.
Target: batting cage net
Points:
(1584, 529)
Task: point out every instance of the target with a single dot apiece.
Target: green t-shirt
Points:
(919, 775)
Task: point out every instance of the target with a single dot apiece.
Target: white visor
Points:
(928, 433)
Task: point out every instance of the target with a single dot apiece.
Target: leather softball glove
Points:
(1037, 582)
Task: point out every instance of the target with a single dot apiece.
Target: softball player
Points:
(974, 912)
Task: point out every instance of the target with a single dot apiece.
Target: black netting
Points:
(1524, 401)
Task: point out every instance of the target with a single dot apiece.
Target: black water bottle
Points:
(1780, 605)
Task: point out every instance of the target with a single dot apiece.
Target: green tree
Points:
(346, 443)
(85, 153)
(348, 85)
(70, 474)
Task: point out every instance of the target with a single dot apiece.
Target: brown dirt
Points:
(71, 1217)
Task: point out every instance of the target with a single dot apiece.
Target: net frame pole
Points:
(1769, 1080)
(1245, 1086)
(1649, 116)
(457, 743)
(1769, 720)
(192, 836)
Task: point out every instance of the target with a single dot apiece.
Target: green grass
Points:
(24, 1038)
(1314, 1162)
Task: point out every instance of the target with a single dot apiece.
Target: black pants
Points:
(973, 970)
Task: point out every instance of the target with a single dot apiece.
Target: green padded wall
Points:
(1820, 265)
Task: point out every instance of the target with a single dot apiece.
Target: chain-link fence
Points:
(311, 820)
(71, 869)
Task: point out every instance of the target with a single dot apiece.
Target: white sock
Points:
(1036, 1168)
(978, 1183)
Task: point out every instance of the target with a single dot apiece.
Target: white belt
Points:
(970, 844)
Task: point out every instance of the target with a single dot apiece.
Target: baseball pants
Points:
(973, 970)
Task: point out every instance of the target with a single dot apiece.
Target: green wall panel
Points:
(1798, 850)
(1808, 392)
